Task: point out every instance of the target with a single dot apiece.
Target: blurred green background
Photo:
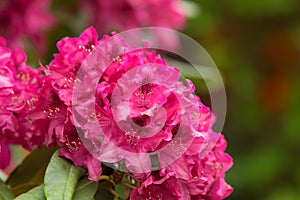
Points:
(256, 46)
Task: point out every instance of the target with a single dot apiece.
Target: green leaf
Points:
(105, 191)
(36, 193)
(5, 193)
(61, 178)
(104, 195)
(31, 172)
(86, 189)
(121, 191)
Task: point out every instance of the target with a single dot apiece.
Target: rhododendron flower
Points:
(126, 14)
(155, 113)
(5, 154)
(19, 95)
(203, 176)
(159, 187)
(60, 75)
(72, 52)
(25, 19)
(192, 177)
(140, 109)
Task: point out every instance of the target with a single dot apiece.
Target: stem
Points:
(106, 178)
(131, 176)
(114, 193)
(128, 185)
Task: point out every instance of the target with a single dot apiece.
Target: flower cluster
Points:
(126, 14)
(61, 74)
(20, 94)
(140, 108)
(190, 177)
(28, 19)
(23, 21)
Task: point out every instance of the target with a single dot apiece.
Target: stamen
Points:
(72, 145)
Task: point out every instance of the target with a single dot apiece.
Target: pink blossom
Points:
(53, 117)
(19, 94)
(190, 177)
(140, 107)
(20, 19)
(63, 68)
(61, 73)
(73, 149)
(204, 176)
(143, 115)
(5, 154)
(159, 187)
(122, 15)
(59, 82)
(126, 14)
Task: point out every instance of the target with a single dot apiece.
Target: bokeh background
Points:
(256, 46)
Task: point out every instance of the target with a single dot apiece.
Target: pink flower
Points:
(189, 177)
(138, 115)
(139, 106)
(62, 75)
(73, 149)
(48, 116)
(122, 15)
(19, 94)
(62, 70)
(204, 176)
(59, 82)
(5, 154)
(28, 19)
(52, 117)
(126, 14)
(159, 187)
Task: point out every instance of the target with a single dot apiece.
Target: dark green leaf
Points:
(36, 193)
(104, 195)
(86, 189)
(105, 189)
(61, 178)
(31, 172)
(5, 193)
(121, 191)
